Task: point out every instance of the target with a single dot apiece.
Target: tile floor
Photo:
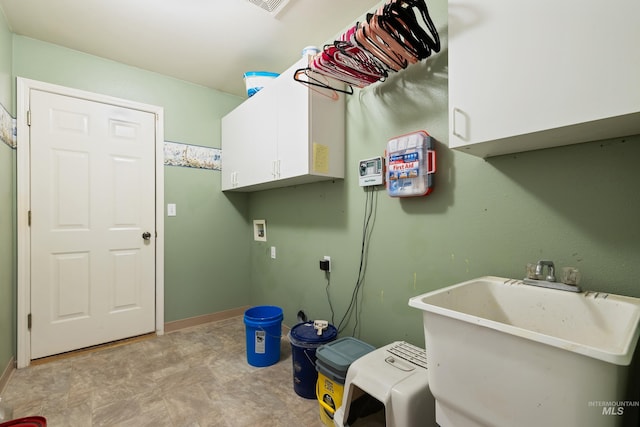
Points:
(194, 377)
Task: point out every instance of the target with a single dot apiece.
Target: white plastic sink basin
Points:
(602, 326)
(504, 353)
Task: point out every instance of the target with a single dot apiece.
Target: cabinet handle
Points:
(275, 169)
(458, 112)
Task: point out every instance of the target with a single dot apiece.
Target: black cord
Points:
(367, 228)
(328, 275)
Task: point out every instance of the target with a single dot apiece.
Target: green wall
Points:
(7, 204)
(205, 252)
(576, 205)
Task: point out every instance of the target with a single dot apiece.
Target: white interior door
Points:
(92, 201)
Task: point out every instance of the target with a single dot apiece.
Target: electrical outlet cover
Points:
(260, 230)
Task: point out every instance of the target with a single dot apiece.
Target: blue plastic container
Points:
(256, 80)
(304, 342)
(263, 325)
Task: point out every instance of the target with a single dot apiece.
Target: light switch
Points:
(273, 252)
(171, 209)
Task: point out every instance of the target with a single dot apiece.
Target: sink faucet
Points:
(551, 276)
(536, 277)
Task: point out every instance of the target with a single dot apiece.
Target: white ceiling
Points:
(208, 42)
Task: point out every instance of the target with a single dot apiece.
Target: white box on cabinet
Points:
(526, 75)
(286, 134)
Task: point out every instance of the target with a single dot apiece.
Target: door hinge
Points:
(28, 117)
(29, 321)
(29, 218)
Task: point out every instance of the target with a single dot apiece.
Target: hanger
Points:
(399, 33)
(351, 55)
(331, 62)
(368, 41)
(395, 36)
(366, 62)
(313, 81)
(392, 45)
(403, 34)
(426, 33)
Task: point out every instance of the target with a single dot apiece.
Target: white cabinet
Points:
(249, 143)
(286, 134)
(527, 74)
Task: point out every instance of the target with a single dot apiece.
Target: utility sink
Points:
(504, 353)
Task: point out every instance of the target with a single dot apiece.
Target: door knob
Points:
(146, 235)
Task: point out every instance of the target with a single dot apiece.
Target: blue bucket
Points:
(263, 325)
(304, 342)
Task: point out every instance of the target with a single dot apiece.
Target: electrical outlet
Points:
(325, 264)
(328, 259)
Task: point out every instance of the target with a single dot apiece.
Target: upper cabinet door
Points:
(249, 143)
(525, 75)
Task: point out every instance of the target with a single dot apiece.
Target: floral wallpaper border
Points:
(192, 156)
(7, 127)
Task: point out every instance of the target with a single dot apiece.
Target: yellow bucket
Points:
(332, 364)
(329, 394)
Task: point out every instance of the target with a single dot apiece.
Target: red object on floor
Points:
(26, 422)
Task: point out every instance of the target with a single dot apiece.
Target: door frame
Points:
(23, 177)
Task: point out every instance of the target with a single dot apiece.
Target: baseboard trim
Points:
(6, 374)
(92, 349)
(206, 318)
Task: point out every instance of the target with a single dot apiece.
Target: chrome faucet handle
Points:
(570, 276)
(551, 274)
(531, 271)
